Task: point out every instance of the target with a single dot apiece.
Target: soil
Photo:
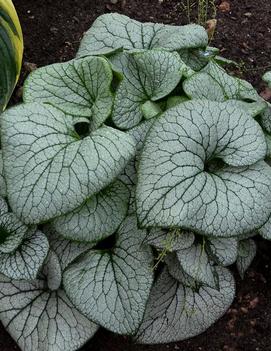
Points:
(52, 32)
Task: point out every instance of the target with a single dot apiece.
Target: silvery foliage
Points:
(141, 152)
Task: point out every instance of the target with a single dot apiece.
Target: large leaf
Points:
(148, 76)
(79, 87)
(214, 83)
(112, 287)
(49, 170)
(176, 312)
(195, 262)
(27, 259)
(39, 318)
(223, 250)
(180, 182)
(111, 32)
(98, 217)
(11, 50)
(246, 253)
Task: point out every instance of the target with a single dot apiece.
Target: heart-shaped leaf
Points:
(49, 170)
(148, 76)
(81, 88)
(26, 261)
(112, 287)
(39, 318)
(111, 32)
(181, 182)
(177, 312)
(98, 217)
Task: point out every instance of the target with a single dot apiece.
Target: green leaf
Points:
(173, 240)
(181, 182)
(148, 76)
(176, 312)
(49, 170)
(3, 185)
(265, 230)
(42, 319)
(27, 259)
(214, 83)
(112, 32)
(98, 217)
(12, 232)
(81, 88)
(112, 287)
(11, 50)
(253, 108)
(246, 253)
(195, 262)
(223, 250)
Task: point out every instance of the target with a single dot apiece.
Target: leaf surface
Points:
(223, 250)
(179, 186)
(112, 287)
(148, 76)
(26, 261)
(50, 171)
(176, 312)
(98, 217)
(81, 88)
(246, 253)
(112, 32)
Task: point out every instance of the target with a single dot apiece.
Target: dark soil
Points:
(52, 32)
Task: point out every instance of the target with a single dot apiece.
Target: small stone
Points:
(248, 14)
(176, 347)
(114, 2)
(30, 67)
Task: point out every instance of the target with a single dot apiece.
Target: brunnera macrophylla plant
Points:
(132, 177)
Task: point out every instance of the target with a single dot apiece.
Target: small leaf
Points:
(265, 230)
(246, 253)
(148, 76)
(113, 32)
(223, 250)
(171, 240)
(26, 261)
(79, 87)
(176, 312)
(52, 271)
(49, 170)
(98, 217)
(181, 183)
(112, 287)
(41, 319)
(195, 262)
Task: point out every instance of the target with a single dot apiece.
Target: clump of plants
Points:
(132, 177)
